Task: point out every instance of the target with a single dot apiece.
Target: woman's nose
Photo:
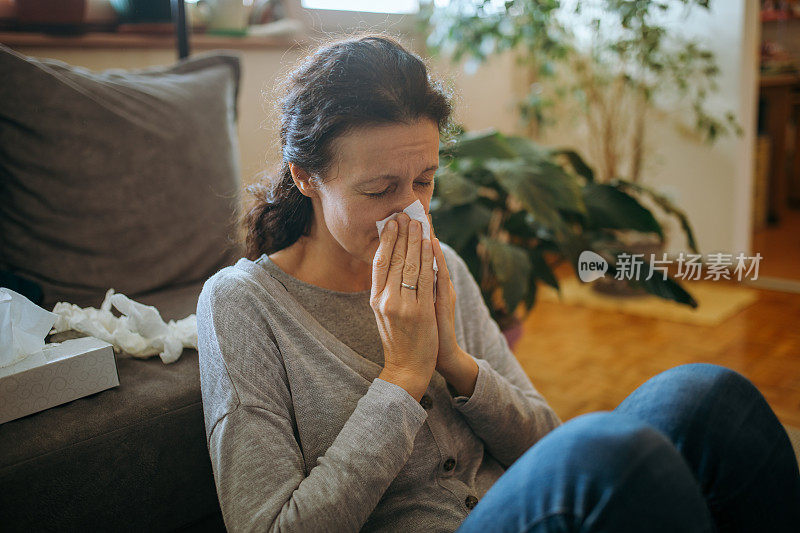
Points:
(409, 197)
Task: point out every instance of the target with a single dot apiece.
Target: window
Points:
(337, 16)
(366, 6)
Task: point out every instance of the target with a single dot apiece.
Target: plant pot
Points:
(635, 243)
(513, 331)
(620, 288)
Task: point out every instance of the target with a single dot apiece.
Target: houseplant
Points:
(514, 209)
(610, 64)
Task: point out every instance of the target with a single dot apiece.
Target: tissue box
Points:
(60, 373)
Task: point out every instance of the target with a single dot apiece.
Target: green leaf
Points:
(456, 225)
(611, 208)
(542, 187)
(527, 149)
(454, 189)
(521, 224)
(664, 203)
(469, 253)
(530, 298)
(546, 195)
(541, 269)
(578, 164)
(668, 289)
(481, 145)
(512, 268)
(469, 168)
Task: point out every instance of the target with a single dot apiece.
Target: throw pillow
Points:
(121, 178)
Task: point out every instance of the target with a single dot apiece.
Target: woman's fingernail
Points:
(391, 224)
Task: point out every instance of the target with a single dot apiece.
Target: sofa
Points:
(126, 180)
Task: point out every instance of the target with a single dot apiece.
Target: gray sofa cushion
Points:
(117, 179)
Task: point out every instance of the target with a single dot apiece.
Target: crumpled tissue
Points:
(417, 212)
(140, 332)
(23, 327)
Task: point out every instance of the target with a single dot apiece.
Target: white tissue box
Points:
(60, 373)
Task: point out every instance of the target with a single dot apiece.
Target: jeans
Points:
(695, 448)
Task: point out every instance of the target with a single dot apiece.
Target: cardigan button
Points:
(449, 464)
(471, 501)
(426, 401)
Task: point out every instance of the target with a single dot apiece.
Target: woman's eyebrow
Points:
(394, 177)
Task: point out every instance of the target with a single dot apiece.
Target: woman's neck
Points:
(324, 264)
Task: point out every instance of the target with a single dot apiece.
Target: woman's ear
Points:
(302, 180)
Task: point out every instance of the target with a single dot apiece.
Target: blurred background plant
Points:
(514, 210)
(603, 69)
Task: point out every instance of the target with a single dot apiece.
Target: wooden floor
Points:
(584, 360)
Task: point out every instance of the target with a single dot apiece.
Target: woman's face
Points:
(377, 171)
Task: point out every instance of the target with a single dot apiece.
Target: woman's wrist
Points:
(413, 383)
(462, 374)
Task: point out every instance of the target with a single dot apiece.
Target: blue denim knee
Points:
(708, 449)
(732, 441)
(600, 470)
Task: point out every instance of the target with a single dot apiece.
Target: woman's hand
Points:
(454, 364)
(445, 309)
(406, 317)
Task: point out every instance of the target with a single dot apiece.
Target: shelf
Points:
(779, 17)
(132, 40)
(779, 80)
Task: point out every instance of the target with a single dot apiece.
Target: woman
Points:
(340, 395)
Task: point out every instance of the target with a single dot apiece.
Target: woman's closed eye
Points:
(390, 188)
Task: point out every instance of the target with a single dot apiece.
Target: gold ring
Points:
(407, 286)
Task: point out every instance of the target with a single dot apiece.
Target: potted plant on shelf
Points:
(608, 65)
(514, 210)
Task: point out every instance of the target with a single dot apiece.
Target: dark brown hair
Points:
(360, 81)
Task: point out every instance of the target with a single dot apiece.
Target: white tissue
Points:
(417, 212)
(23, 327)
(140, 332)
